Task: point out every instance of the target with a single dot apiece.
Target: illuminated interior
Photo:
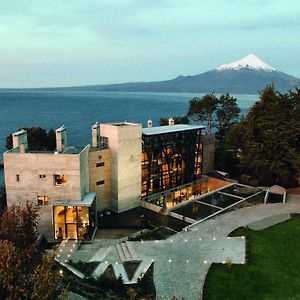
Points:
(74, 222)
(60, 180)
(170, 160)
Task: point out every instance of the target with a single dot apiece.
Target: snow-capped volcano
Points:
(250, 61)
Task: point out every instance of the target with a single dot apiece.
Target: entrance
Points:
(73, 222)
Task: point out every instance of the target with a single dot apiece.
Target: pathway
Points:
(182, 261)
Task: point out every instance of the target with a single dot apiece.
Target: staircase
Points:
(126, 252)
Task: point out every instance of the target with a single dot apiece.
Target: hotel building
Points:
(125, 166)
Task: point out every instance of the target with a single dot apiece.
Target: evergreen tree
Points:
(201, 110)
(267, 141)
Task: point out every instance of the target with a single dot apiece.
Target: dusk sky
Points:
(62, 43)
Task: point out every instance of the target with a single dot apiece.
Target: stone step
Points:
(120, 252)
(101, 254)
(132, 251)
(126, 251)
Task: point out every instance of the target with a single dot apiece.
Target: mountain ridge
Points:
(248, 75)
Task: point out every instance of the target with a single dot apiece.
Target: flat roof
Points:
(170, 128)
(86, 201)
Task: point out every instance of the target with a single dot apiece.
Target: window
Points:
(100, 164)
(43, 176)
(42, 200)
(100, 182)
(60, 180)
(17, 177)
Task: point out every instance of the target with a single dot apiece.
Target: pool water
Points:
(196, 211)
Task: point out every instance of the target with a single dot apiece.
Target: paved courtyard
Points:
(182, 261)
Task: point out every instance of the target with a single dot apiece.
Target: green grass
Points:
(272, 270)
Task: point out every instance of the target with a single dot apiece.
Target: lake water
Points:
(79, 110)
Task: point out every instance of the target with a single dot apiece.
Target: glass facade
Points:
(170, 160)
(74, 222)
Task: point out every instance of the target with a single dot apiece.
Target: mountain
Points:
(245, 76)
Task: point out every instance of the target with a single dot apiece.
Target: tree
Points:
(227, 115)
(3, 202)
(38, 139)
(25, 273)
(202, 109)
(18, 224)
(177, 120)
(267, 140)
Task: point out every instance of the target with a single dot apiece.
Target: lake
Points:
(79, 110)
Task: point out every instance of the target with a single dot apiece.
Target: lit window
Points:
(42, 200)
(43, 176)
(60, 180)
(17, 177)
(100, 182)
(100, 164)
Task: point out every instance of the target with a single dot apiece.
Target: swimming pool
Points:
(209, 205)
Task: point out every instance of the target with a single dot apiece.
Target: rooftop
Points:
(170, 128)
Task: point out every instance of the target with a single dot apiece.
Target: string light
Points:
(214, 238)
(205, 262)
(185, 240)
(169, 260)
(200, 239)
(171, 241)
(187, 261)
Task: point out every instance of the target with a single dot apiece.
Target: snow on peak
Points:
(250, 61)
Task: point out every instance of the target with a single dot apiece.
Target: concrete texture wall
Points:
(98, 173)
(125, 143)
(84, 171)
(29, 166)
(209, 142)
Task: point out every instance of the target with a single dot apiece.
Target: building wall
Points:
(96, 174)
(84, 171)
(208, 141)
(29, 166)
(125, 143)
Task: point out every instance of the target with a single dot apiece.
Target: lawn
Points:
(272, 270)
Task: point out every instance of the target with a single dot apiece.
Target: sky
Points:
(46, 43)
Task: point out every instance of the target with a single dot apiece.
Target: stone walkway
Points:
(182, 261)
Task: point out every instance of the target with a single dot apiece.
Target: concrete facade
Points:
(209, 145)
(99, 176)
(111, 168)
(32, 175)
(125, 144)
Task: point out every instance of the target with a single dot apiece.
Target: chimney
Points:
(95, 135)
(171, 122)
(61, 138)
(149, 123)
(20, 140)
